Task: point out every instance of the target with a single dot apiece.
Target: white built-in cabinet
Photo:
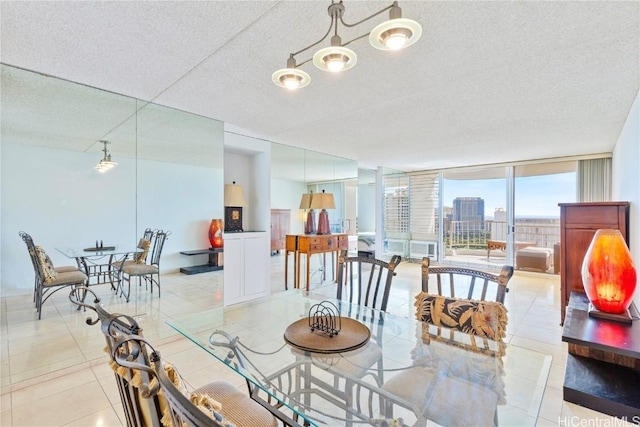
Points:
(246, 272)
(247, 255)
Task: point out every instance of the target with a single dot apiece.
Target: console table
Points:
(313, 244)
(603, 364)
(214, 263)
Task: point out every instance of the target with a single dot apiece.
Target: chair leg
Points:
(39, 304)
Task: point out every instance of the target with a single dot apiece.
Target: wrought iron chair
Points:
(146, 237)
(456, 281)
(31, 248)
(48, 279)
(149, 397)
(366, 282)
(150, 272)
(479, 317)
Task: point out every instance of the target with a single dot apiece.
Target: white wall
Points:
(366, 208)
(58, 198)
(286, 195)
(626, 176)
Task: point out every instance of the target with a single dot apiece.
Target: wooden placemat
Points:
(353, 335)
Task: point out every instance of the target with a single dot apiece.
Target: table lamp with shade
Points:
(609, 276)
(233, 203)
(310, 223)
(323, 201)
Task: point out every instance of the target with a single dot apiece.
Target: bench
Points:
(502, 245)
(538, 259)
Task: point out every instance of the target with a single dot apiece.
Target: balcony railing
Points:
(474, 234)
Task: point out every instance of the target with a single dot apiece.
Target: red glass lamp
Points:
(215, 233)
(608, 275)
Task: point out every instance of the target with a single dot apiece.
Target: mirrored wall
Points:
(169, 176)
(295, 171)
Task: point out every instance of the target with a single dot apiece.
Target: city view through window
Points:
(474, 215)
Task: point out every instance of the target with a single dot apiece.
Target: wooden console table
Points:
(309, 245)
(603, 364)
(214, 263)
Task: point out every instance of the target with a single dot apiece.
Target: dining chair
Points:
(31, 248)
(149, 272)
(115, 267)
(48, 279)
(364, 282)
(152, 391)
(456, 302)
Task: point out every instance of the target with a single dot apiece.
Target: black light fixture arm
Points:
(319, 41)
(395, 4)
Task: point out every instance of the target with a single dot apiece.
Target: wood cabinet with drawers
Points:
(578, 223)
(314, 244)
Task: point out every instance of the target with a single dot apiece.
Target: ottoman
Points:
(537, 259)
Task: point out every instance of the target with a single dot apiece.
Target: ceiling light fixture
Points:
(393, 34)
(105, 163)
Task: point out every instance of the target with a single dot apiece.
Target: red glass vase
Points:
(608, 273)
(215, 233)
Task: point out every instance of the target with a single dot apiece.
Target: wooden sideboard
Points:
(311, 244)
(578, 223)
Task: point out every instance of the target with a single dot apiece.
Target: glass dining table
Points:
(96, 262)
(385, 368)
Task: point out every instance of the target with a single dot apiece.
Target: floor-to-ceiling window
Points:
(479, 217)
(474, 203)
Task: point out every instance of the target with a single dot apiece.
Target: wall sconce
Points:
(233, 203)
(323, 201)
(310, 224)
(609, 276)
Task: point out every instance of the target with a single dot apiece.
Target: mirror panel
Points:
(295, 171)
(169, 175)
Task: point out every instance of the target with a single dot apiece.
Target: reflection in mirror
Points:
(296, 171)
(50, 189)
(314, 172)
(169, 176)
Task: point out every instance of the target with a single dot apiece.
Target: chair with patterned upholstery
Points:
(49, 279)
(456, 376)
(150, 271)
(152, 391)
(31, 248)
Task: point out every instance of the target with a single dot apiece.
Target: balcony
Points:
(465, 242)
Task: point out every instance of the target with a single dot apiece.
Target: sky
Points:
(535, 196)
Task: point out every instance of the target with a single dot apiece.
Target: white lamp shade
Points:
(323, 201)
(233, 195)
(305, 202)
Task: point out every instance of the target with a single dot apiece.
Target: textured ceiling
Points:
(488, 82)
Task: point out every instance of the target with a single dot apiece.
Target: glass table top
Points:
(407, 369)
(88, 251)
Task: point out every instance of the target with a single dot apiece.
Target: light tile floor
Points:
(53, 371)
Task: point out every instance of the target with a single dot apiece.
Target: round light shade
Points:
(395, 34)
(335, 59)
(291, 78)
